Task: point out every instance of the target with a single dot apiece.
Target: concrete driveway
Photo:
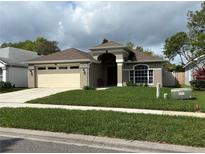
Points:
(29, 94)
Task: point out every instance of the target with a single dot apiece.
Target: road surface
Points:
(20, 145)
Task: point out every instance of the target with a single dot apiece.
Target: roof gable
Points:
(108, 44)
(68, 54)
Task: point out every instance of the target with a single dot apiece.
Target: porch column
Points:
(4, 76)
(119, 72)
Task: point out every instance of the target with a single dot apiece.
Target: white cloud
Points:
(83, 24)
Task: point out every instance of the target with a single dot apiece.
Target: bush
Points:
(88, 88)
(199, 74)
(6, 85)
(130, 83)
(198, 84)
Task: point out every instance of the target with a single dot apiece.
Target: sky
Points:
(85, 24)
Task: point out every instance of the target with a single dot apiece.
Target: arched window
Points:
(141, 74)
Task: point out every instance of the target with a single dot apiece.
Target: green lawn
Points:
(4, 90)
(126, 97)
(163, 129)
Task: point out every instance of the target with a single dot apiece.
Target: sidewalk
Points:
(95, 141)
(127, 110)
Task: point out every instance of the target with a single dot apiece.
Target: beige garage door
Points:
(71, 80)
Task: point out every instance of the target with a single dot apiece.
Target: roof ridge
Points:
(108, 43)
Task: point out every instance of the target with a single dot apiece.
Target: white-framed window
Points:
(141, 74)
(151, 79)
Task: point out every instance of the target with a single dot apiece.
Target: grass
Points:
(163, 129)
(125, 97)
(5, 90)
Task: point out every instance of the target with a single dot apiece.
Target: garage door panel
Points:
(71, 80)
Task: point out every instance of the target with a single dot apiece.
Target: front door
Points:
(112, 76)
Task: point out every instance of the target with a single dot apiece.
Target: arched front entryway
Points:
(109, 66)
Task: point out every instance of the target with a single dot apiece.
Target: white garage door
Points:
(71, 80)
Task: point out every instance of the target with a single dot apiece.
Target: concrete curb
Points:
(94, 141)
(85, 108)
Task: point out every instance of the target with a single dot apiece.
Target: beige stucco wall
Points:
(157, 73)
(125, 77)
(95, 73)
(31, 77)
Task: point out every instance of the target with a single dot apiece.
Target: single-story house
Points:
(13, 67)
(107, 64)
(190, 67)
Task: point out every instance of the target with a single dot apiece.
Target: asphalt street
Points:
(20, 145)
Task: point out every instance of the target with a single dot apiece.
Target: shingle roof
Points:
(142, 57)
(68, 54)
(107, 44)
(12, 62)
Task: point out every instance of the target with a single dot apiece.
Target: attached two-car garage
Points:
(65, 69)
(55, 77)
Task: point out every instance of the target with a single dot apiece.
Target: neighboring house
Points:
(108, 64)
(190, 68)
(13, 67)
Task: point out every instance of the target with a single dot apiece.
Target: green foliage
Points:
(6, 85)
(139, 48)
(130, 83)
(173, 67)
(88, 88)
(41, 45)
(45, 47)
(156, 128)
(130, 45)
(196, 25)
(188, 45)
(198, 84)
(176, 45)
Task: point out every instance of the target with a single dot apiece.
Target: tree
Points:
(130, 45)
(190, 45)
(196, 26)
(139, 48)
(45, 47)
(177, 45)
(41, 45)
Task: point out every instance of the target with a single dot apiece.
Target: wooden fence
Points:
(173, 78)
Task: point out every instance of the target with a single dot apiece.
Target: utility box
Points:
(181, 93)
